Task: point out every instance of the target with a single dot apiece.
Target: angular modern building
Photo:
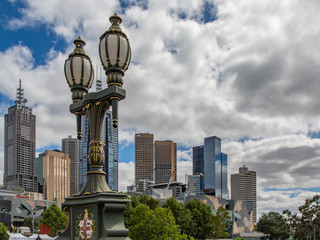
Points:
(56, 176)
(198, 160)
(144, 162)
(244, 187)
(70, 146)
(20, 145)
(165, 161)
(215, 168)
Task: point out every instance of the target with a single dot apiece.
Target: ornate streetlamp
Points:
(97, 212)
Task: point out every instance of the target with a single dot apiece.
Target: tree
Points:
(149, 201)
(307, 223)
(221, 222)
(55, 218)
(182, 216)
(158, 224)
(134, 202)
(3, 232)
(274, 226)
(202, 224)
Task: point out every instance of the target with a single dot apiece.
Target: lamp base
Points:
(95, 217)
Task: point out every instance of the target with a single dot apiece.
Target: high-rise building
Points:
(56, 176)
(20, 145)
(198, 160)
(39, 171)
(244, 187)
(215, 168)
(110, 139)
(165, 161)
(143, 157)
(70, 146)
(83, 152)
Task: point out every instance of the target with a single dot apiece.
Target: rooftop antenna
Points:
(20, 95)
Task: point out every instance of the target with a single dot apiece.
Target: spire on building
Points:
(98, 80)
(20, 95)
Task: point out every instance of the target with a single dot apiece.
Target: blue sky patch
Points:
(39, 39)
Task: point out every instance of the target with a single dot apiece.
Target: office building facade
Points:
(83, 152)
(198, 160)
(244, 187)
(195, 184)
(215, 168)
(143, 157)
(70, 146)
(56, 176)
(165, 161)
(20, 145)
(111, 164)
(39, 171)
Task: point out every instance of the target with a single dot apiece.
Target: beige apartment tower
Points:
(56, 176)
(143, 157)
(165, 159)
(244, 187)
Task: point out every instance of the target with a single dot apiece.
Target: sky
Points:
(246, 71)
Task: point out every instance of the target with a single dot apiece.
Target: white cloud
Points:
(126, 175)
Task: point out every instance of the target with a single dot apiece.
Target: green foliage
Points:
(239, 238)
(221, 222)
(307, 223)
(55, 218)
(202, 223)
(3, 232)
(274, 226)
(182, 216)
(157, 224)
(144, 199)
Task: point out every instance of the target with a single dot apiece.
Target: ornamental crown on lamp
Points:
(78, 70)
(115, 52)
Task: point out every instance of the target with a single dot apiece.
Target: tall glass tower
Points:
(110, 139)
(20, 146)
(215, 168)
(198, 160)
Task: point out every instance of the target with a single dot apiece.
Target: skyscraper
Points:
(84, 151)
(244, 187)
(165, 159)
(215, 168)
(198, 160)
(56, 176)
(143, 157)
(110, 139)
(20, 145)
(71, 147)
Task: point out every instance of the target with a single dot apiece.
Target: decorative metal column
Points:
(97, 212)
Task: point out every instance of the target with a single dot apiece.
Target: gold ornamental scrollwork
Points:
(96, 153)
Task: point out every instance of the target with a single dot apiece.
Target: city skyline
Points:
(243, 70)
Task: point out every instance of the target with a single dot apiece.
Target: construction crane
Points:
(130, 181)
(170, 179)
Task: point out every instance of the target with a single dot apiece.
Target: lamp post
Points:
(97, 212)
